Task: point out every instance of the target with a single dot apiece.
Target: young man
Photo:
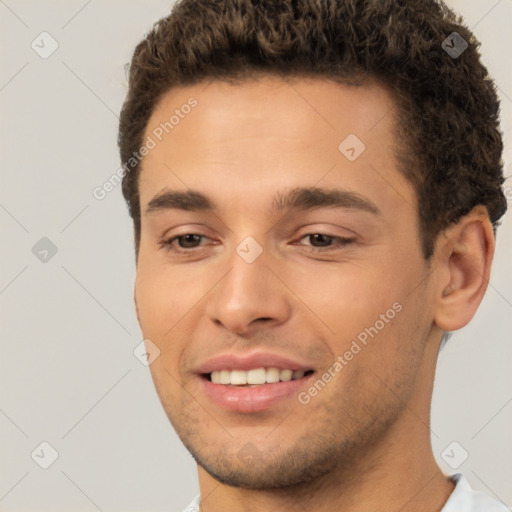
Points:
(315, 187)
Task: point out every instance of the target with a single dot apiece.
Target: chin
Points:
(248, 468)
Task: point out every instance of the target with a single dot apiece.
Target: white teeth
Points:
(255, 377)
(225, 376)
(285, 375)
(238, 377)
(272, 375)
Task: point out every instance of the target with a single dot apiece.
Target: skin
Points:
(363, 442)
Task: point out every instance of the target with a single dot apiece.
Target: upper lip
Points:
(250, 361)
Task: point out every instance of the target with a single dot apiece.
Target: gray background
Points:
(68, 375)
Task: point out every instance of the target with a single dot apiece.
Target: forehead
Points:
(271, 133)
(302, 107)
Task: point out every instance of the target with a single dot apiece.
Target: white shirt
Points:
(465, 499)
(462, 499)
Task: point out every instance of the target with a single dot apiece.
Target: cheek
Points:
(170, 302)
(376, 313)
(394, 340)
(349, 297)
(161, 304)
(162, 300)
(164, 294)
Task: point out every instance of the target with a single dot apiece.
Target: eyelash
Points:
(168, 244)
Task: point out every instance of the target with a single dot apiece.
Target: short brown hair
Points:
(447, 130)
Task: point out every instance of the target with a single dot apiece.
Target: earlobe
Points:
(464, 261)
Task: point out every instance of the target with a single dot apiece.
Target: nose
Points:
(248, 296)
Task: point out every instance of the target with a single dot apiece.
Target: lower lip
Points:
(256, 399)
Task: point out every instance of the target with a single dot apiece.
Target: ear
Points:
(463, 258)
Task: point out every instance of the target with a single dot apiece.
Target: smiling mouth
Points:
(255, 377)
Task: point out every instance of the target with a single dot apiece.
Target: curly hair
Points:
(449, 143)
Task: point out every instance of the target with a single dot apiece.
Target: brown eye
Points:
(321, 241)
(186, 241)
(319, 238)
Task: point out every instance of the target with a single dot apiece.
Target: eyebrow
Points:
(298, 198)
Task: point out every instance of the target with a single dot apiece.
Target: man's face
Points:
(342, 282)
